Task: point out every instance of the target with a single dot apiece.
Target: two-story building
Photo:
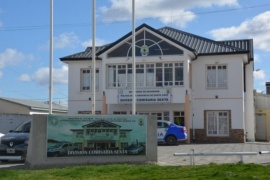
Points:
(203, 84)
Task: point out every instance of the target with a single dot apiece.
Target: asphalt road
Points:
(166, 154)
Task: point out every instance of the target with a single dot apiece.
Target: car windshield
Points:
(25, 127)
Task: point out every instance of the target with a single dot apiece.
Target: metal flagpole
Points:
(51, 57)
(134, 60)
(93, 58)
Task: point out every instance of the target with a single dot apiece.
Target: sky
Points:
(25, 35)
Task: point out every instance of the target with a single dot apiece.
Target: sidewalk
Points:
(166, 157)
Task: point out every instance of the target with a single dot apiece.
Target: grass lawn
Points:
(142, 172)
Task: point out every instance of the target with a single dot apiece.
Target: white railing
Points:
(193, 154)
(264, 152)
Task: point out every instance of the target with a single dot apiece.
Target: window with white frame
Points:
(140, 75)
(217, 123)
(150, 75)
(119, 112)
(86, 79)
(216, 76)
(179, 118)
(147, 75)
(178, 74)
(160, 115)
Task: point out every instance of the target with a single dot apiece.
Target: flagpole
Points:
(51, 57)
(134, 60)
(93, 58)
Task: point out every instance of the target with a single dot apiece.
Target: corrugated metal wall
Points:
(11, 121)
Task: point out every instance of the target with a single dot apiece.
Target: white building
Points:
(203, 84)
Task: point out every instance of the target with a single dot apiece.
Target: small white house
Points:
(203, 84)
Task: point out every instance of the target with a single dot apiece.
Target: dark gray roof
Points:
(196, 44)
(84, 55)
(35, 105)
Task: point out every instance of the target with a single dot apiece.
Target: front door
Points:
(261, 133)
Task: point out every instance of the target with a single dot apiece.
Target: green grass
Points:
(143, 172)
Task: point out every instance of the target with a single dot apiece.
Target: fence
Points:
(193, 154)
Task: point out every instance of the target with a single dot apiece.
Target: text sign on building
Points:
(145, 96)
(96, 135)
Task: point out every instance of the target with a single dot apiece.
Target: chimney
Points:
(267, 84)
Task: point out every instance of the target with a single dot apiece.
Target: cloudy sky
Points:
(24, 35)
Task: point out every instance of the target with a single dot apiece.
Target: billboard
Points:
(94, 135)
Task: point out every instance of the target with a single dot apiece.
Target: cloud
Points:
(64, 40)
(12, 57)
(88, 43)
(173, 11)
(257, 28)
(41, 76)
(259, 75)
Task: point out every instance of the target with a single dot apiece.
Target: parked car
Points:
(60, 149)
(170, 133)
(14, 144)
(134, 149)
(1, 134)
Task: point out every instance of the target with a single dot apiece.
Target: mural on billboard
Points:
(96, 135)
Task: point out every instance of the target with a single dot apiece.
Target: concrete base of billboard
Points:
(37, 149)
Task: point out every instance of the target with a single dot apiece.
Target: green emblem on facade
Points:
(144, 50)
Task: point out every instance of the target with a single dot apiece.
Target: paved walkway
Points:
(166, 157)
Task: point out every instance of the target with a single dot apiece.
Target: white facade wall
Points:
(249, 118)
(79, 100)
(230, 98)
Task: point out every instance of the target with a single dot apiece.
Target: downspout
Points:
(191, 94)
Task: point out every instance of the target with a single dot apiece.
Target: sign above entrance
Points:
(145, 96)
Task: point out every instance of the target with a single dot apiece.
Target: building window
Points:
(179, 74)
(159, 75)
(147, 75)
(150, 75)
(119, 112)
(168, 74)
(179, 118)
(122, 70)
(160, 115)
(216, 76)
(86, 79)
(217, 123)
(111, 76)
(88, 112)
(140, 75)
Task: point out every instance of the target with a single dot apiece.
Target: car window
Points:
(159, 124)
(162, 125)
(165, 125)
(65, 146)
(25, 127)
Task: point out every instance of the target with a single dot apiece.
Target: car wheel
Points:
(171, 140)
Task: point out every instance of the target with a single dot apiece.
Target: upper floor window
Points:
(216, 76)
(147, 75)
(86, 79)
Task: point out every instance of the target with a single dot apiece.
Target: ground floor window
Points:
(119, 112)
(160, 115)
(88, 112)
(179, 118)
(217, 123)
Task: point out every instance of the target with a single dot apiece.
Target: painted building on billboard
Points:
(203, 84)
(101, 135)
